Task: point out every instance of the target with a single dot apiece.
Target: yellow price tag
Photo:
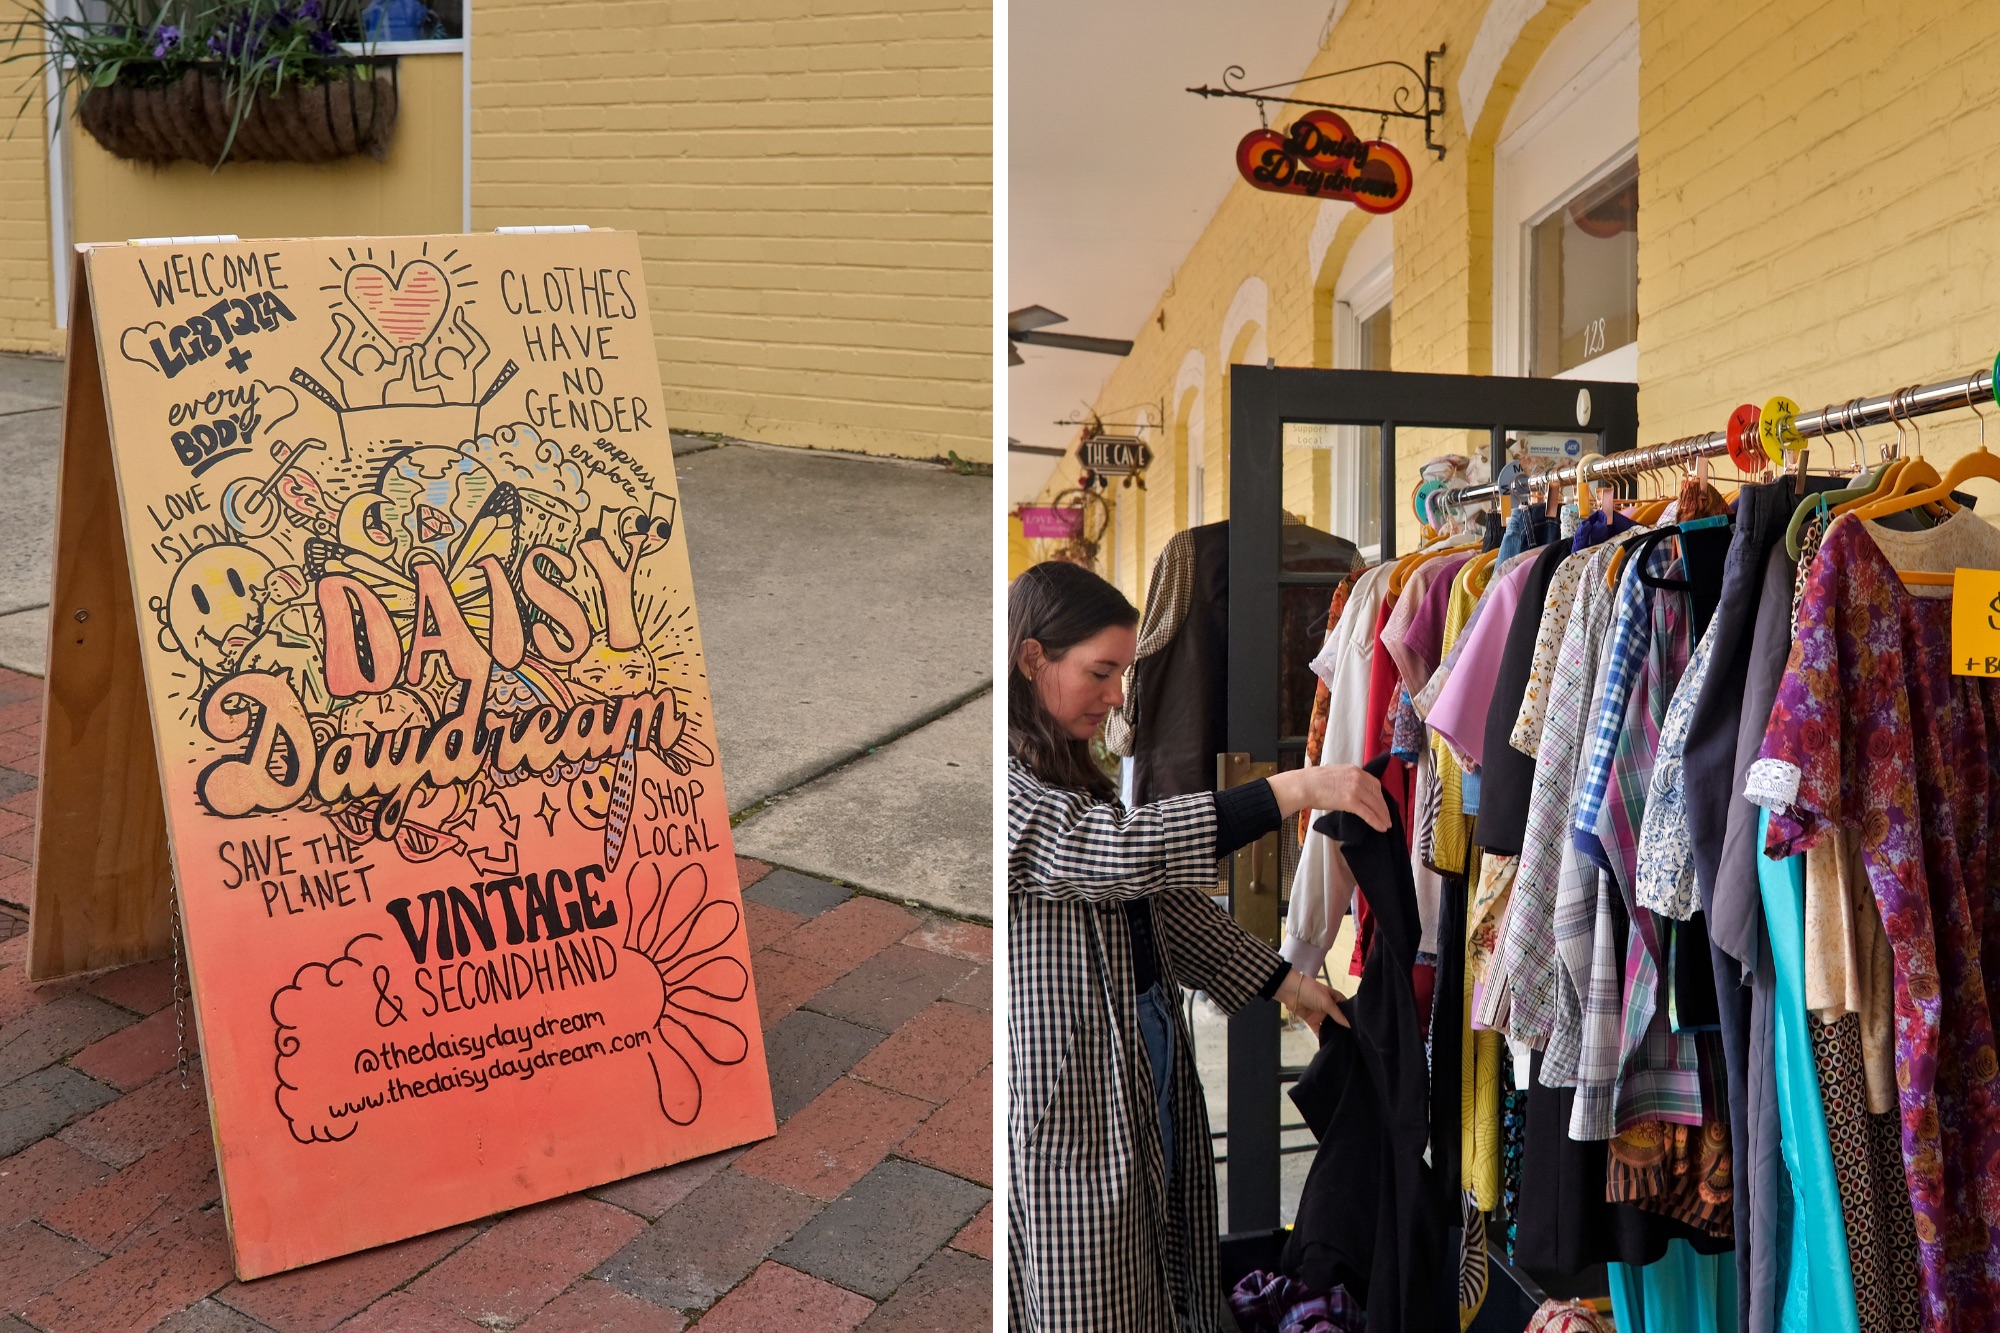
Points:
(1975, 622)
(1775, 430)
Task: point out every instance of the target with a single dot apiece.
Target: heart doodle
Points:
(274, 404)
(406, 309)
(135, 344)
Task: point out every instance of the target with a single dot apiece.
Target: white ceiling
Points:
(1113, 171)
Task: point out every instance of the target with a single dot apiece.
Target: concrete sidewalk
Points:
(847, 613)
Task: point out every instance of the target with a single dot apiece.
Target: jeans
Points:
(1156, 1025)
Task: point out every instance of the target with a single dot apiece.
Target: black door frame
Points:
(1262, 400)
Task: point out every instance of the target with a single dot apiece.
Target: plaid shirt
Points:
(1583, 950)
(1619, 1067)
(1520, 995)
(1612, 737)
(1102, 1237)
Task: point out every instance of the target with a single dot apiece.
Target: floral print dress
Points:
(1871, 731)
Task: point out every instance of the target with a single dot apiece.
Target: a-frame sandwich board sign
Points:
(373, 640)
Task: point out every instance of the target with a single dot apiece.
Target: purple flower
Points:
(165, 40)
(243, 37)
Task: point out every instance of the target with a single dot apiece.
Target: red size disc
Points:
(1744, 450)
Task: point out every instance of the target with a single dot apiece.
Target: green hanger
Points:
(1863, 485)
(1825, 500)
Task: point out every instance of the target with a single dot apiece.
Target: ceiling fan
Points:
(1026, 324)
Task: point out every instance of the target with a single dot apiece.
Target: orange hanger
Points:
(1584, 503)
(1979, 463)
(1906, 477)
(1478, 569)
(1400, 575)
(1882, 487)
(1649, 513)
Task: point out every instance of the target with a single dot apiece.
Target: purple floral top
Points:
(1871, 731)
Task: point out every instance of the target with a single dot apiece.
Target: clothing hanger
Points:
(1914, 474)
(1399, 577)
(1649, 513)
(1478, 568)
(1979, 463)
(1864, 485)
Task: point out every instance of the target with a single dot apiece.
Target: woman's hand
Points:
(1311, 1000)
(1332, 787)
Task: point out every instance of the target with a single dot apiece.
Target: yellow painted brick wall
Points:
(27, 291)
(416, 190)
(1819, 207)
(811, 181)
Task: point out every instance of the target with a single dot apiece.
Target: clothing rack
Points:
(1882, 410)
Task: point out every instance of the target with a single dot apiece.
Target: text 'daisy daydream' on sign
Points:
(431, 717)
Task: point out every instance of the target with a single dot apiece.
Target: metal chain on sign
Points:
(181, 1059)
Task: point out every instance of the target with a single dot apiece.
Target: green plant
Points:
(251, 46)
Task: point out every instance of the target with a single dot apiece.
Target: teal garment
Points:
(1684, 1292)
(1818, 1291)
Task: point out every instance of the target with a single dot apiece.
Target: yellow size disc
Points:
(1775, 431)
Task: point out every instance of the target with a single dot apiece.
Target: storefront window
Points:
(1354, 500)
(1364, 480)
(1584, 275)
(1375, 341)
(413, 20)
(348, 20)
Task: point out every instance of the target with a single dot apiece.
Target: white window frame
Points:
(1575, 123)
(1366, 286)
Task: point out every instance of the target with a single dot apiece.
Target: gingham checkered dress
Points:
(1099, 1240)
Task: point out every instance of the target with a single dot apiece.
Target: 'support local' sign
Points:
(429, 709)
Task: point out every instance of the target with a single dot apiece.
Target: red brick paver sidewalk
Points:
(870, 1210)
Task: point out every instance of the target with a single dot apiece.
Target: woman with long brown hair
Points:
(1111, 1188)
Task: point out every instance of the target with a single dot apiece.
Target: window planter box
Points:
(350, 112)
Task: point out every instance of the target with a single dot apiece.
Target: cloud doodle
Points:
(317, 1017)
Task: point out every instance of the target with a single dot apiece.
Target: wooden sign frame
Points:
(373, 646)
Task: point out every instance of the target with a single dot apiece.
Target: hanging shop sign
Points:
(396, 681)
(1114, 455)
(1322, 158)
(1049, 523)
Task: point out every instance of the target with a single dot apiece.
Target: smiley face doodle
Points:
(214, 609)
(590, 796)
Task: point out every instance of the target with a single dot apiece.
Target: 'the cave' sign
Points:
(1322, 158)
(1114, 455)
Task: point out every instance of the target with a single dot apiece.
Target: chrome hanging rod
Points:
(1882, 410)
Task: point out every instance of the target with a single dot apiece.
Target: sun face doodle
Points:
(438, 734)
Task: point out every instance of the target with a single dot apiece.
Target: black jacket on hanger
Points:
(1508, 775)
(1373, 1217)
(1181, 693)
